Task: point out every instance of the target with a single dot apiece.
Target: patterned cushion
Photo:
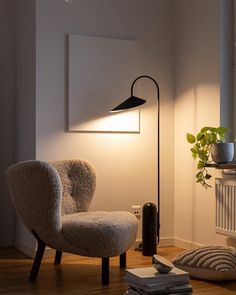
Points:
(213, 263)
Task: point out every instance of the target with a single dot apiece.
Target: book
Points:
(149, 275)
(185, 290)
(180, 290)
(152, 287)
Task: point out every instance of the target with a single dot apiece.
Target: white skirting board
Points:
(185, 244)
(164, 242)
(29, 251)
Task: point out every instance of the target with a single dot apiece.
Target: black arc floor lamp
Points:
(133, 102)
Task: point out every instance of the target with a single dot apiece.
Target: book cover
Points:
(185, 289)
(148, 275)
(151, 287)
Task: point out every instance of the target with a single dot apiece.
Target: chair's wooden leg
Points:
(57, 259)
(37, 259)
(105, 270)
(123, 260)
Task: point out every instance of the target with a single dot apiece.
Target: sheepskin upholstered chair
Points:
(53, 199)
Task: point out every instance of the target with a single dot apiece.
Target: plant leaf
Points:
(223, 130)
(199, 174)
(194, 150)
(204, 129)
(200, 165)
(200, 136)
(190, 138)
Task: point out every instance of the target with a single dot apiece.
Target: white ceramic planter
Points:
(222, 152)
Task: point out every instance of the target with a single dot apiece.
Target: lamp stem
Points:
(158, 149)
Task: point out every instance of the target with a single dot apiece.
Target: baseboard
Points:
(172, 242)
(180, 243)
(164, 242)
(31, 251)
(25, 248)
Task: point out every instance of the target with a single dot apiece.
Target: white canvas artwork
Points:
(101, 71)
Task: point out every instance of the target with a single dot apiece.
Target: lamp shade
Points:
(129, 103)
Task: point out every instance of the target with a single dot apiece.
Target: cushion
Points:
(214, 263)
(100, 234)
(78, 180)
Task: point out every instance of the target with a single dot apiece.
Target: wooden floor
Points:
(81, 275)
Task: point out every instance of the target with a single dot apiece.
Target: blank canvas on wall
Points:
(101, 71)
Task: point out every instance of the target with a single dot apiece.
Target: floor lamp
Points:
(133, 102)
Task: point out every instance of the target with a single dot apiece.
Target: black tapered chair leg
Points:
(123, 260)
(37, 259)
(57, 259)
(105, 270)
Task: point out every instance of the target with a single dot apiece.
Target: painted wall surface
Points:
(227, 67)
(7, 86)
(126, 164)
(197, 104)
(25, 100)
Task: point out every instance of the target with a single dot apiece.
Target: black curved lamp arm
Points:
(158, 146)
(149, 77)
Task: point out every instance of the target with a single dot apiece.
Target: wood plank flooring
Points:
(81, 275)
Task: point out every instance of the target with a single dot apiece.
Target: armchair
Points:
(53, 199)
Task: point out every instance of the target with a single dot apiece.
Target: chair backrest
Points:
(35, 190)
(78, 180)
(37, 187)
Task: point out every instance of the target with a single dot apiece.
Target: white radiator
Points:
(226, 206)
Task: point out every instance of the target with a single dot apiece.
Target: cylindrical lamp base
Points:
(149, 229)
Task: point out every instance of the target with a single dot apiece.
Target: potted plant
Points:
(209, 144)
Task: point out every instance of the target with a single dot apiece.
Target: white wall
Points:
(7, 86)
(25, 80)
(197, 103)
(227, 67)
(125, 163)
(25, 102)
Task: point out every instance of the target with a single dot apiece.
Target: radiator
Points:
(226, 206)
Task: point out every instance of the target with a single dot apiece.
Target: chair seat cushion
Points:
(214, 263)
(100, 234)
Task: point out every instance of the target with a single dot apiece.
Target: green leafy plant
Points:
(201, 149)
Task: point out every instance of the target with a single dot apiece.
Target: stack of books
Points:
(147, 281)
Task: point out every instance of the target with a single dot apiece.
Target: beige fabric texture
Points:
(214, 263)
(53, 200)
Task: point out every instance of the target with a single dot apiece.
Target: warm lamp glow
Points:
(120, 122)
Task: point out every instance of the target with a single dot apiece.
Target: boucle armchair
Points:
(53, 199)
